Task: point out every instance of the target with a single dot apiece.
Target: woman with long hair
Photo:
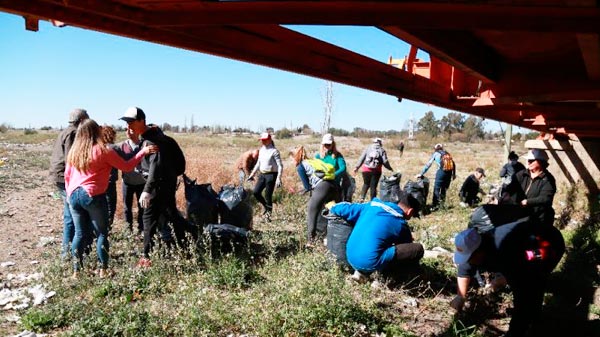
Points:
(87, 172)
(330, 154)
(323, 189)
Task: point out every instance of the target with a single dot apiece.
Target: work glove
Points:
(145, 199)
(457, 303)
(278, 183)
(330, 204)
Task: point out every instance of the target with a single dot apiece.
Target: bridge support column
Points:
(572, 161)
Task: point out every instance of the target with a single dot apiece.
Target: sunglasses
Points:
(530, 160)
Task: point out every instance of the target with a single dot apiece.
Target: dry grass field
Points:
(277, 288)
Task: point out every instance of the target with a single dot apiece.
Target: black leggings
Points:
(324, 192)
(265, 182)
(371, 179)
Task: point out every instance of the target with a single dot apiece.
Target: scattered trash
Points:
(7, 264)
(27, 333)
(437, 252)
(412, 302)
(39, 294)
(17, 299)
(34, 262)
(46, 240)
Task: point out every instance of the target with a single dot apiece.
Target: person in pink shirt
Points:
(87, 172)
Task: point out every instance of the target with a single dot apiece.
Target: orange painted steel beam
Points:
(374, 13)
(268, 45)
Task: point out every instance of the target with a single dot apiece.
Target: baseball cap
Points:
(537, 154)
(327, 139)
(480, 170)
(466, 243)
(133, 114)
(78, 115)
(438, 146)
(265, 136)
(377, 140)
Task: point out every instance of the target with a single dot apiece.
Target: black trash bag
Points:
(348, 186)
(487, 217)
(225, 238)
(418, 190)
(389, 187)
(202, 203)
(235, 207)
(338, 232)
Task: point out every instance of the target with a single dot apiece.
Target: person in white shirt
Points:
(270, 167)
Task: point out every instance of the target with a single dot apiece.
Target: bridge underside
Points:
(534, 64)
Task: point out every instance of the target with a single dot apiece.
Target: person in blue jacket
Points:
(381, 237)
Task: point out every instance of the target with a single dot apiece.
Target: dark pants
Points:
(111, 201)
(371, 179)
(129, 193)
(325, 192)
(408, 252)
(442, 182)
(163, 205)
(265, 182)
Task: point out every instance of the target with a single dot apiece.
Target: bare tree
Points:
(327, 97)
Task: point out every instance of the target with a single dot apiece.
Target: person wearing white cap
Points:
(270, 166)
(330, 154)
(445, 174)
(525, 257)
(371, 163)
(533, 188)
(61, 148)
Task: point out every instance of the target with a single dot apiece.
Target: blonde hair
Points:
(333, 148)
(81, 152)
(299, 155)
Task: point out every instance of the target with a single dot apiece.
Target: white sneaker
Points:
(359, 277)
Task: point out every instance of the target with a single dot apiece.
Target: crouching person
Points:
(524, 254)
(381, 238)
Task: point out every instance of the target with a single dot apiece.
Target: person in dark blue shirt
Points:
(525, 255)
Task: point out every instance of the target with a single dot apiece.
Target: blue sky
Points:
(46, 74)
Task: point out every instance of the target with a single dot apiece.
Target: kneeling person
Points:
(381, 237)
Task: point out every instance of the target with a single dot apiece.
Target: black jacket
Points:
(539, 193)
(468, 191)
(156, 170)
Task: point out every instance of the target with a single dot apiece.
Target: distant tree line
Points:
(452, 127)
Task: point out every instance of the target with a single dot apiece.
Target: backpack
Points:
(373, 158)
(447, 162)
(322, 169)
(173, 155)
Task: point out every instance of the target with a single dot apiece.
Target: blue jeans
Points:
(89, 214)
(68, 226)
(442, 182)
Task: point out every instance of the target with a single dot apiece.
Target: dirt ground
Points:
(31, 223)
(30, 214)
